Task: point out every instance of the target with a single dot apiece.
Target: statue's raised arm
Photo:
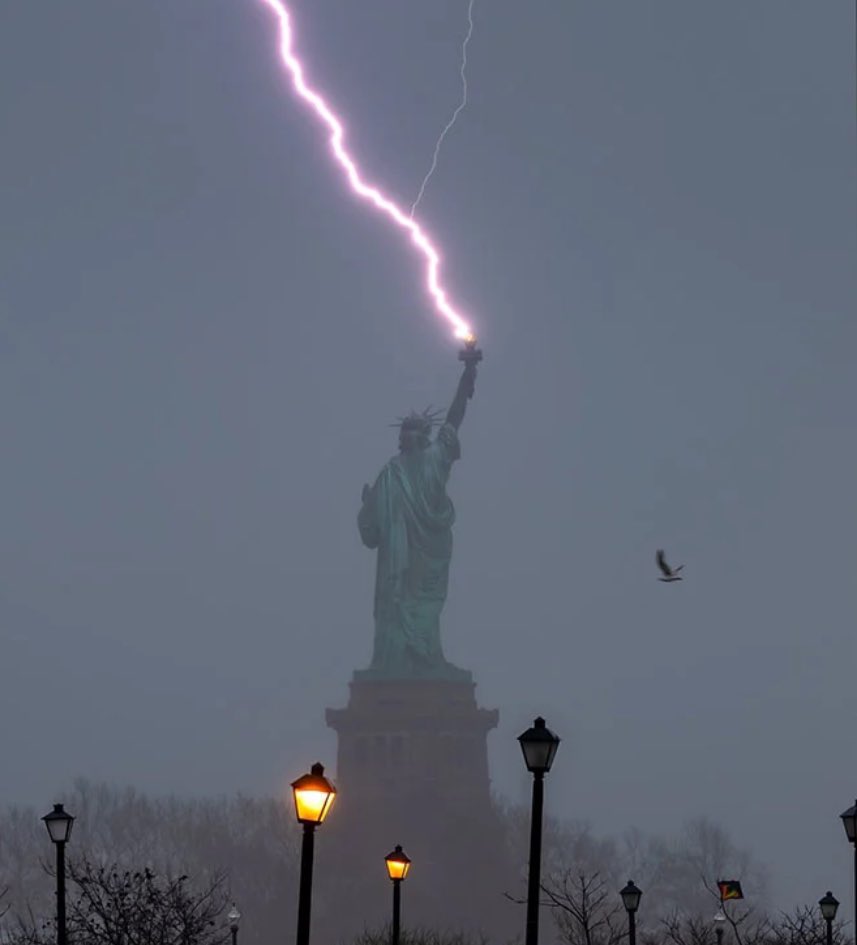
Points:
(406, 517)
(471, 356)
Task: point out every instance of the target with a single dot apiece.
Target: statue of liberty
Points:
(408, 517)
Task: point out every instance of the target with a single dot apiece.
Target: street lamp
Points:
(59, 824)
(398, 865)
(829, 904)
(234, 917)
(314, 796)
(539, 745)
(719, 924)
(631, 901)
(849, 822)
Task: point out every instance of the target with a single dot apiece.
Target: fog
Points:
(649, 211)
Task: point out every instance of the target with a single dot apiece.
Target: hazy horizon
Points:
(649, 211)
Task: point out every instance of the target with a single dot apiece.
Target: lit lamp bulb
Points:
(314, 796)
(398, 864)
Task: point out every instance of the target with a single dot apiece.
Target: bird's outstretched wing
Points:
(662, 563)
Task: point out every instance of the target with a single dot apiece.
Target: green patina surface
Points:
(407, 518)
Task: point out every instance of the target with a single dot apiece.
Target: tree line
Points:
(164, 871)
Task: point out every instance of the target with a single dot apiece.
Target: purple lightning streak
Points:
(358, 185)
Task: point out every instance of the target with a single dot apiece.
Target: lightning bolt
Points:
(368, 192)
(461, 106)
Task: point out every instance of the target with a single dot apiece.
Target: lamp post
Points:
(631, 901)
(234, 917)
(828, 905)
(314, 796)
(849, 822)
(59, 824)
(719, 924)
(398, 865)
(539, 745)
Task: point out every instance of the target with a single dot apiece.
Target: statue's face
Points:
(412, 440)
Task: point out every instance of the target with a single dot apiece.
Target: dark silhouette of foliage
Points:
(126, 846)
(107, 905)
(249, 845)
(586, 909)
(417, 937)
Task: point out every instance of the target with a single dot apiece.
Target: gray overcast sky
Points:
(650, 210)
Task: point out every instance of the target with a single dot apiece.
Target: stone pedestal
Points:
(408, 739)
(412, 768)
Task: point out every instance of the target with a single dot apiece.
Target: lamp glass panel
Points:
(312, 804)
(59, 824)
(538, 756)
(398, 864)
(849, 821)
(829, 904)
(397, 869)
(539, 745)
(631, 897)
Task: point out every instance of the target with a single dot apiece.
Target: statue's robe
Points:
(408, 517)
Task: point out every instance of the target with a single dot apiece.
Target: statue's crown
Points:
(422, 422)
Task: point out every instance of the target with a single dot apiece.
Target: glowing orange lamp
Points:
(398, 866)
(314, 796)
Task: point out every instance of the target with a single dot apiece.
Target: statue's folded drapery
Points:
(408, 517)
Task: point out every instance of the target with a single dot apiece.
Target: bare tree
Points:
(253, 842)
(586, 909)
(112, 906)
(565, 844)
(746, 928)
(703, 854)
(677, 929)
(803, 926)
(418, 937)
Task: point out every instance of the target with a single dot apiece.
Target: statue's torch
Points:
(470, 355)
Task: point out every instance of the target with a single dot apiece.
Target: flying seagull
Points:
(670, 574)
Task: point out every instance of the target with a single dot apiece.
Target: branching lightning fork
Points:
(458, 110)
(368, 192)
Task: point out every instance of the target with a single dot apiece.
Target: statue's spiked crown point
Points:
(422, 422)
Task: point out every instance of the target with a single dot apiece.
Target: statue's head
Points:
(415, 430)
